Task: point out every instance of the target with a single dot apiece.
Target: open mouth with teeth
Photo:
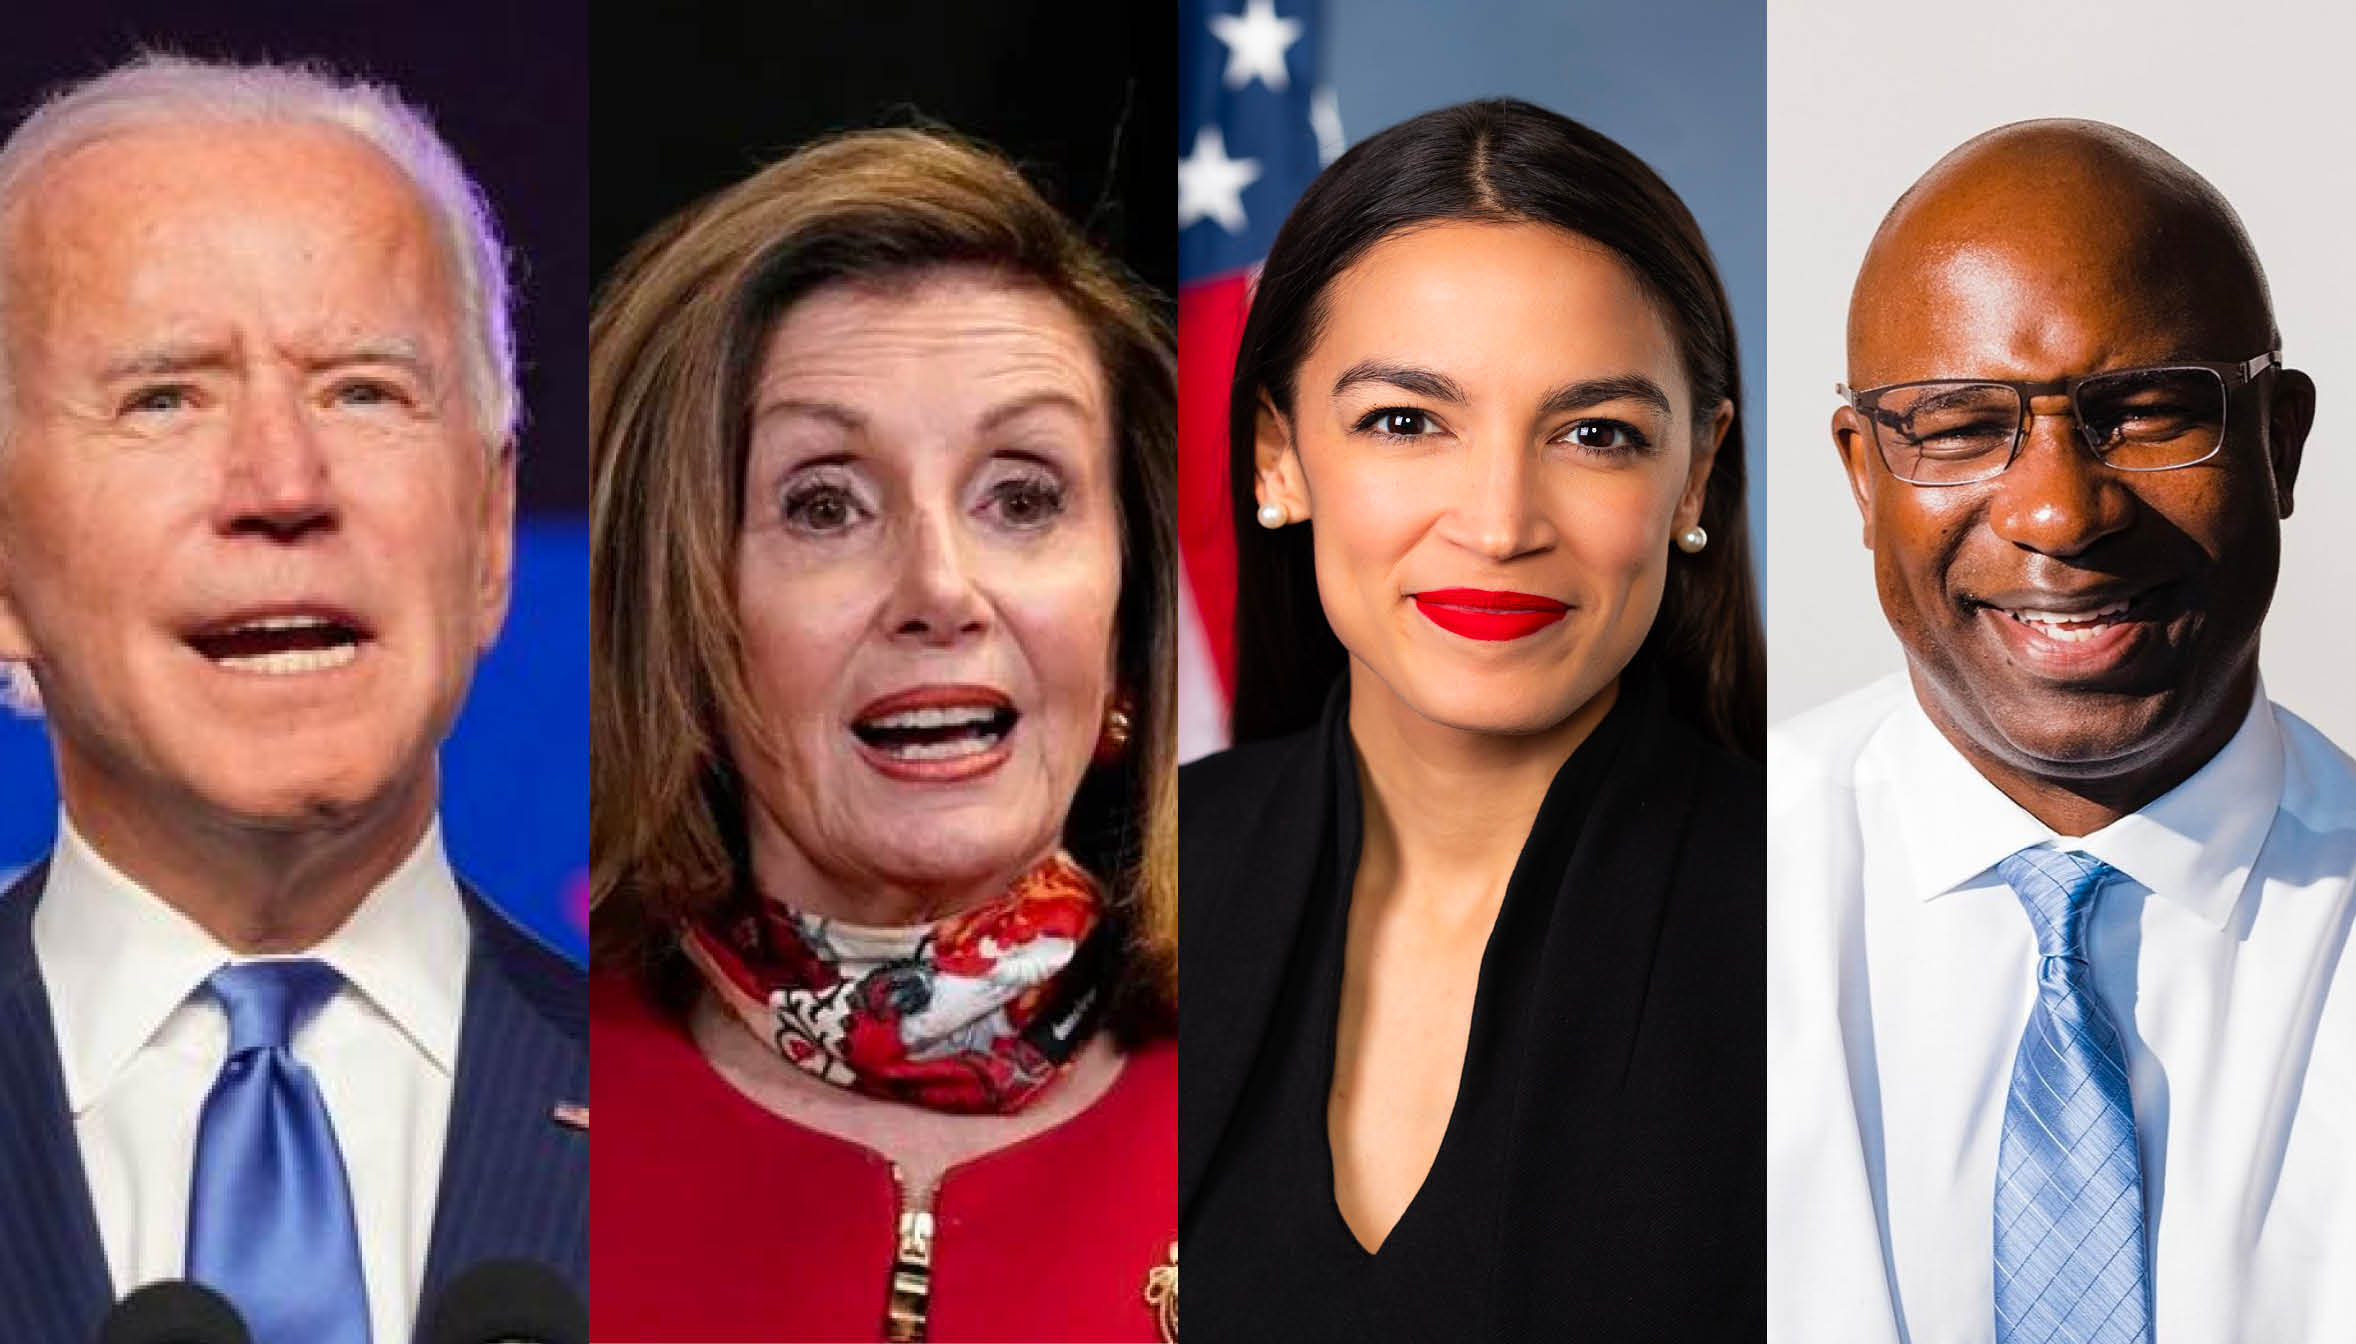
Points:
(2093, 639)
(2073, 627)
(937, 733)
(280, 646)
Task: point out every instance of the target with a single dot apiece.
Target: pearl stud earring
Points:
(1273, 516)
(1692, 539)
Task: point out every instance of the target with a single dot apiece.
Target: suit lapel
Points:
(1596, 962)
(1250, 890)
(514, 1179)
(53, 1276)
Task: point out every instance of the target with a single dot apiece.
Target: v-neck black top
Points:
(1267, 1239)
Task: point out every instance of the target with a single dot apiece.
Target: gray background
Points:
(1681, 83)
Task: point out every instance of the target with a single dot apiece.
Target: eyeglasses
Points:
(1958, 431)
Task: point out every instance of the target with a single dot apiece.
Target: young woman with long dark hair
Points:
(1471, 1043)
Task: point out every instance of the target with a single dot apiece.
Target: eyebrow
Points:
(833, 413)
(203, 356)
(169, 358)
(1049, 399)
(399, 351)
(1405, 377)
(844, 417)
(1596, 391)
(1569, 397)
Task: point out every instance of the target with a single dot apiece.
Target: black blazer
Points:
(1636, 1206)
(515, 1182)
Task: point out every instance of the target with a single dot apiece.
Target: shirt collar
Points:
(2196, 845)
(404, 951)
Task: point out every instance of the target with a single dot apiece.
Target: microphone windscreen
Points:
(498, 1301)
(173, 1311)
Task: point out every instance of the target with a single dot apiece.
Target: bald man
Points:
(2055, 913)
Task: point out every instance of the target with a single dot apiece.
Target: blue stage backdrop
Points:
(515, 771)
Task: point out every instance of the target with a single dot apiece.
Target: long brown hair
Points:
(1505, 160)
(673, 347)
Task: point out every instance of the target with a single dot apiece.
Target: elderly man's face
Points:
(2067, 621)
(250, 532)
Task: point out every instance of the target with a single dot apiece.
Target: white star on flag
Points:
(1210, 185)
(1256, 43)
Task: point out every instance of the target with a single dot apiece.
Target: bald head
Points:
(2010, 244)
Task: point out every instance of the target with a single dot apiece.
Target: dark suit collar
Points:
(1252, 892)
(53, 1276)
(514, 1174)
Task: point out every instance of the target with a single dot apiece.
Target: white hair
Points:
(173, 91)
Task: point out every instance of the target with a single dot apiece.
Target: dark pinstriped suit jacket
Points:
(514, 1181)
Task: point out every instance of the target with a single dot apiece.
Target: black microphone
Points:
(508, 1302)
(173, 1311)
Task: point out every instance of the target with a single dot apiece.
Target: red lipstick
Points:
(1488, 614)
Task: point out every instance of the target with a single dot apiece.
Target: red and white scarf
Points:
(976, 1013)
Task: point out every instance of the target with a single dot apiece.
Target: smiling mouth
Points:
(2072, 627)
(936, 733)
(281, 645)
(2082, 640)
(1487, 614)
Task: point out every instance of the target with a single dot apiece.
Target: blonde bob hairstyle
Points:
(674, 345)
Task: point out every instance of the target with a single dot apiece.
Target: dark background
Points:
(507, 85)
(689, 99)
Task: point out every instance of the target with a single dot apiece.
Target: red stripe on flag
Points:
(1210, 326)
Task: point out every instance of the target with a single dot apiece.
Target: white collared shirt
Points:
(141, 1049)
(1901, 972)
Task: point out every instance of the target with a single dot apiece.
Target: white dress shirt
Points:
(1901, 971)
(141, 1049)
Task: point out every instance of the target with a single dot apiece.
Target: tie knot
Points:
(2057, 888)
(267, 1000)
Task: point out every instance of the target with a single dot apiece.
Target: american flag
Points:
(1254, 126)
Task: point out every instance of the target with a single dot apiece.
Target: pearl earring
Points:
(1692, 539)
(1273, 516)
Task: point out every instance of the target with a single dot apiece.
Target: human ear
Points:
(1276, 464)
(2290, 413)
(15, 647)
(1855, 445)
(496, 579)
(1697, 474)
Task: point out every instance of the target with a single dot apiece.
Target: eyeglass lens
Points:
(2135, 420)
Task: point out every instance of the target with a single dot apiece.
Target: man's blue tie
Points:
(2071, 1267)
(269, 1214)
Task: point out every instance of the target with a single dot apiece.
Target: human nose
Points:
(1496, 513)
(277, 481)
(2057, 498)
(935, 600)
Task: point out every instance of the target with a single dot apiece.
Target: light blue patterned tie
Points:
(2070, 1260)
(269, 1214)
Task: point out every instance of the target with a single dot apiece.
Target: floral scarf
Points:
(976, 1013)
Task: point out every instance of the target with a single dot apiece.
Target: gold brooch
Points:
(1161, 1294)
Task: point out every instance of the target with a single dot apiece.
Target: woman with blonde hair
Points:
(882, 819)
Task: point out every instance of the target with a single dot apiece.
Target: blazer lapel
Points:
(1243, 896)
(515, 1175)
(54, 1285)
(1596, 962)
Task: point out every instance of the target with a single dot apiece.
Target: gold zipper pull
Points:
(908, 1304)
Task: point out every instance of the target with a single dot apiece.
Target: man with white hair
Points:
(257, 487)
